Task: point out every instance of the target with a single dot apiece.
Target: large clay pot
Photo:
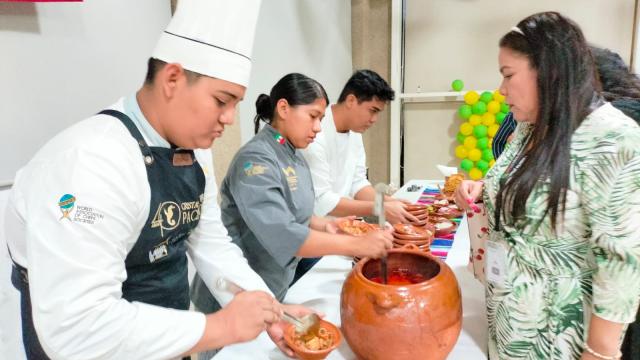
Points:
(417, 321)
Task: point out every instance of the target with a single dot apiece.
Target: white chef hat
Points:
(211, 37)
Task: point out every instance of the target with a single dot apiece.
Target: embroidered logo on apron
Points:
(158, 252)
(167, 217)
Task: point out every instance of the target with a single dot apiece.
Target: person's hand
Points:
(249, 313)
(276, 330)
(374, 244)
(467, 194)
(396, 212)
(332, 226)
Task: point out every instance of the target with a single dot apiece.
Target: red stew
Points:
(400, 277)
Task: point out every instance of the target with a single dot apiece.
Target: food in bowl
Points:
(407, 229)
(400, 277)
(317, 344)
(451, 184)
(321, 340)
(356, 227)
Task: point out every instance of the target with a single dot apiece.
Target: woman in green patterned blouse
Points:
(563, 259)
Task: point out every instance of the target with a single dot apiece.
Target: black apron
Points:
(157, 263)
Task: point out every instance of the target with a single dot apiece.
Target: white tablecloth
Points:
(320, 289)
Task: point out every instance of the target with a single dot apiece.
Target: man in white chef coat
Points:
(337, 158)
(99, 222)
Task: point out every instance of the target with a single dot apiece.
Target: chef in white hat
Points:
(100, 221)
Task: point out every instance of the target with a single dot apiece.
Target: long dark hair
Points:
(619, 85)
(557, 50)
(297, 89)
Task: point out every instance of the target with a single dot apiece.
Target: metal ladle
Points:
(308, 324)
(378, 209)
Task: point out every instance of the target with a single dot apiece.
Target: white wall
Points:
(306, 36)
(67, 61)
(458, 39)
(62, 62)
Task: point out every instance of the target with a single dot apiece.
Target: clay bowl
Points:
(420, 223)
(420, 247)
(356, 227)
(305, 354)
(441, 203)
(419, 213)
(444, 227)
(409, 237)
(415, 207)
(423, 216)
(407, 229)
(428, 236)
(421, 320)
(450, 212)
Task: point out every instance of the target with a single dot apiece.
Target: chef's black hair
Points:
(366, 85)
(297, 89)
(154, 65)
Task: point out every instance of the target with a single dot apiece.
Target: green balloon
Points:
(464, 111)
(480, 131)
(457, 85)
(504, 108)
(482, 143)
(500, 117)
(466, 164)
(487, 155)
(484, 172)
(482, 165)
(460, 137)
(486, 97)
(479, 108)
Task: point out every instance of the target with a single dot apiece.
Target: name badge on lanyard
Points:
(496, 263)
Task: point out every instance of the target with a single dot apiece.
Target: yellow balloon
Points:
(474, 154)
(470, 143)
(491, 163)
(466, 129)
(493, 107)
(461, 152)
(475, 173)
(490, 145)
(497, 96)
(488, 119)
(493, 129)
(475, 120)
(471, 97)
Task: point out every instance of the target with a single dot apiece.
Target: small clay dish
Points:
(356, 227)
(302, 352)
(407, 229)
(415, 207)
(451, 211)
(444, 227)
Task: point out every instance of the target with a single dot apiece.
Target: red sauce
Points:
(400, 277)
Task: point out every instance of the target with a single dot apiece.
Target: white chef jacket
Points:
(76, 268)
(338, 165)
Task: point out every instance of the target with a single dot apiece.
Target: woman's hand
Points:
(468, 193)
(332, 226)
(374, 244)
